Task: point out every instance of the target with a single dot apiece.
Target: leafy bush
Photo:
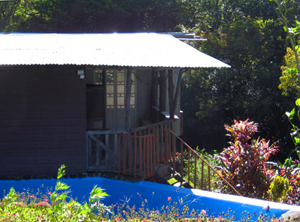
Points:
(290, 171)
(279, 189)
(53, 206)
(244, 162)
(295, 131)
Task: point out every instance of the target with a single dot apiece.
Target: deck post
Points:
(171, 93)
(154, 88)
(127, 98)
(177, 92)
(163, 91)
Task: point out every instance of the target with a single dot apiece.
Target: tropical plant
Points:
(279, 189)
(290, 73)
(53, 206)
(289, 192)
(244, 162)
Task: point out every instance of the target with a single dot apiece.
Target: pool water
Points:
(156, 195)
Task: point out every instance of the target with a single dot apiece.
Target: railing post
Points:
(209, 188)
(189, 162)
(195, 175)
(108, 145)
(174, 151)
(141, 153)
(144, 157)
(181, 156)
(88, 145)
(119, 155)
(202, 175)
(157, 145)
(97, 154)
(167, 146)
(124, 153)
(135, 156)
(152, 155)
(130, 155)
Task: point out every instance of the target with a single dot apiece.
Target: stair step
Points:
(177, 184)
(165, 174)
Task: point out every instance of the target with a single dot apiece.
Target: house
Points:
(72, 99)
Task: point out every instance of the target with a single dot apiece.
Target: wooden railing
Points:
(162, 142)
(102, 147)
(137, 155)
(149, 145)
(191, 166)
(142, 149)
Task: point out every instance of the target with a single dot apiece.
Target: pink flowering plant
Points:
(52, 206)
(57, 205)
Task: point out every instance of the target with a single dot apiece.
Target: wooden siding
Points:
(42, 120)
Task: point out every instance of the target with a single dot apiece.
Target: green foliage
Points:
(290, 72)
(29, 207)
(53, 206)
(290, 171)
(244, 162)
(214, 97)
(93, 16)
(295, 130)
(290, 80)
(279, 189)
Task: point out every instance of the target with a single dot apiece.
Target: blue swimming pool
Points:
(156, 194)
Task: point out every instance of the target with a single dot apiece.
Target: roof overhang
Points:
(145, 50)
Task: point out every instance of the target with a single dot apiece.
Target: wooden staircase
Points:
(161, 153)
(166, 175)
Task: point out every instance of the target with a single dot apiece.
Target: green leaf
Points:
(172, 181)
(297, 140)
(285, 28)
(61, 172)
(291, 114)
(297, 47)
(96, 194)
(298, 102)
(61, 186)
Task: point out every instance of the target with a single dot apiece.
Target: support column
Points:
(127, 98)
(171, 93)
(163, 91)
(177, 94)
(154, 88)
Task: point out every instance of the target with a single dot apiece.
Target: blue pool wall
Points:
(157, 195)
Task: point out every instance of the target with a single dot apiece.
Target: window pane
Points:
(132, 100)
(109, 89)
(110, 101)
(120, 100)
(121, 89)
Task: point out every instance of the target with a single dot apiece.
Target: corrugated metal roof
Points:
(130, 50)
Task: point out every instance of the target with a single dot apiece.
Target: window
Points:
(116, 89)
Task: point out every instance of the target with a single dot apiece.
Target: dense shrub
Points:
(290, 171)
(244, 162)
